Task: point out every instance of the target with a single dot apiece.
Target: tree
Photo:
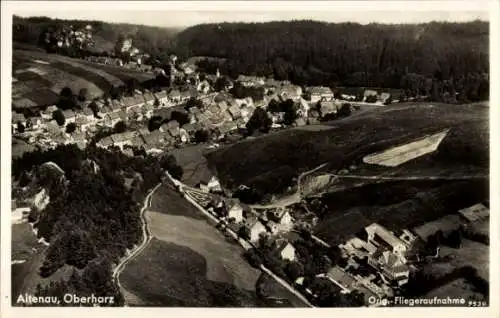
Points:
(290, 110)
(455, 239)
(20, 127)
(83, 94)
(201, 136)
(181, 117)
(66, 92)
(244, 232)
(221, 84)
(155, 122)
(345, 110)
(371, 99)
(259, 121)
(58, 116)
(253, 257)
(70, 128)
(294, 270)
(193, 102)
(120, 127)
(93, 106)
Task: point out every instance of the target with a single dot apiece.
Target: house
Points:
(69, 115)
(477, 212)
(88, 113)
(210, 184)
(234, 111)
(319, 93)
(381, 237)
(391, 265)
(240, 123)
(446, 224)
(385, 98)
(83, 123)
(122, 139)
(203, 87)
(137, 141)
(328, 107)
(234, 210)
(256, 228)
(116, 105)
(250, 80)
(156, 137)
(105, 142)
(369, 93)
(111, 119)
(341, 278)
(34, 122)
(282, 217)
(162, 98)
(175, 96)
(287, 251)
(147, 110)
(227, 127)
(300, 122)
(129, 102)
(190, 129)
(184, 136)
(293, 92)
(223, 106)
(48, 112)
(149, 98)
(173, 128)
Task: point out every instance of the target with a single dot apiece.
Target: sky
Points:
(173, 14)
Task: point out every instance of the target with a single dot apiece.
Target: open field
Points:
(193, 163)
(459, 288)
(40, 77)
(471, 254)
(464, 148)
(189, 262)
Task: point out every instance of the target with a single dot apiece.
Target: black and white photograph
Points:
(165, 155)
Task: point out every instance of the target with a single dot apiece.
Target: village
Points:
(217, 112)
(376, 263)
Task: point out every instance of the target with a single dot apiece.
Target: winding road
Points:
(138, 249)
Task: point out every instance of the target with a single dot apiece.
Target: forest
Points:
(423, 59)
(93, 216)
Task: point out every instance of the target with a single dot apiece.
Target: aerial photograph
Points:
(292, 159)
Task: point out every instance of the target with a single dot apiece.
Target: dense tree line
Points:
(94, 216)
(153, 40)
(427, 59)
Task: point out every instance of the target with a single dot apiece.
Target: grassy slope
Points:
(351, 139)
(63, 71)
(189, 263)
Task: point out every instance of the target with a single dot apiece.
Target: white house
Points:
(210, 185)
(256, 228)
(234, 210)
(287, 251)
(381, 237)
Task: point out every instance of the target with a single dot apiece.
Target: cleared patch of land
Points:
(465, 147)
(168, 201)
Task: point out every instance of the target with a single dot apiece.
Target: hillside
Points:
(149, 39)
(271, 163)
(375, 55)
(37, 77)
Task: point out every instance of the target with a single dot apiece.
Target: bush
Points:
(70, 128)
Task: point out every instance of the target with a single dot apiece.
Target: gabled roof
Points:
(161, 94)
(384, 234)
(338, 275)
(475, 212)
(68, 113)
(125, 136)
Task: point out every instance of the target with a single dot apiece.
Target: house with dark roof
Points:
(105, 142)
(474, 213)
(319, 93)
(122, 139)
(341, 278)
(69, 115)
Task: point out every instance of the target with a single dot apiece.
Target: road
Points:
(186, 191)
(146, 234)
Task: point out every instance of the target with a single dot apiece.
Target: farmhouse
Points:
(122, 139)
(287, 251)
(255, 227)
(369, 93)
(210, 184)
(69, 115)
(342, 279)
(293, 92)
(319, 93)
(162, 97)
(149, 98)
(477, 212)
(250, 80)
(234, 210)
